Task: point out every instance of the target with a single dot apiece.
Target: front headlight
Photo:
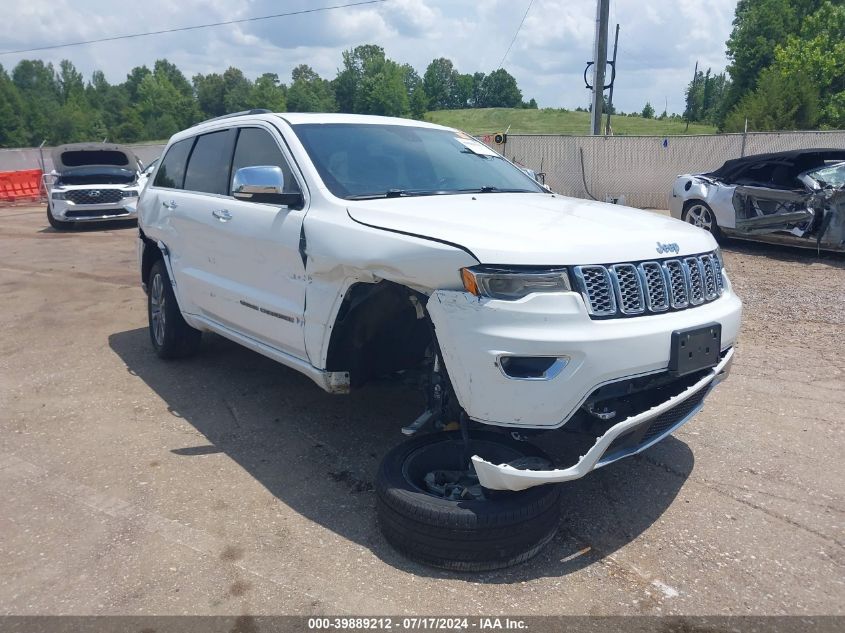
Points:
(512, 284)
(58, 195)
(130, 193)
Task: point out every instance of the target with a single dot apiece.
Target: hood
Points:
(535, 229)
(75, 155)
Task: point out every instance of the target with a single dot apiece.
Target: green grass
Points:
(550, 121)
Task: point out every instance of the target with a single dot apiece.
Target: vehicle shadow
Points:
(319, 453)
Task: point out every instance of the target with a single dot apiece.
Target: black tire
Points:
(59, 225)
(170, 335)
(474, 535)
(698, 213)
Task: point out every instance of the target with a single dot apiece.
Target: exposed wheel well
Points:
(152, 253)
(380, 328)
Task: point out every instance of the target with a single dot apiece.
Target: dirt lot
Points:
(229, 484)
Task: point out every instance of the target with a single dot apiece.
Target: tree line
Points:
(40, 102)
(786, 69)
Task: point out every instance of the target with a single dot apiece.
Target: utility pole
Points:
(692, 94)
(600, 59)
(610, 94)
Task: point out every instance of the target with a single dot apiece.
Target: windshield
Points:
(833, 175)
(359, 161)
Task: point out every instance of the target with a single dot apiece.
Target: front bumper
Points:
(667, 416)
(474, 334)
(67, 211)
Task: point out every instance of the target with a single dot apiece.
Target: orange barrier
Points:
(18, 186)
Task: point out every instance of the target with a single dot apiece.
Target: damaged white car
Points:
(92, 182)
(353, 247)
(795, 198)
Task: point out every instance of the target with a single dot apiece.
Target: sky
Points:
(659, 41)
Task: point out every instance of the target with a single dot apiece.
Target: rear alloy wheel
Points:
(432, 509)
(170, 335)
(701, 215)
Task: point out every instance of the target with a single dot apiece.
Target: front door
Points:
(253, 277)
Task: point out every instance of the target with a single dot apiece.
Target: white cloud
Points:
(659, 42)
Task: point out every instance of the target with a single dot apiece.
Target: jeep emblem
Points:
(668, 248)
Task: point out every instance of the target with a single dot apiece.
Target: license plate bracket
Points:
(695, 348)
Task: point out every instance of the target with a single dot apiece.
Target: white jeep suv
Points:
(351, 247)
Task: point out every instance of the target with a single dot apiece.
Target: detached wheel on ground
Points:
(700, 214)
(432, 509)
(170, 335)
(59, 225)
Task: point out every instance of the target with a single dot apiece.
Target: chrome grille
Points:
(677, 283)
(710, 290)
(94, 196)
(717, 266)
(696, 281)
(630, 289)
(656, 289)
(596, 283)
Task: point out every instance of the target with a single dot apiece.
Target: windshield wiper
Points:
(408, 193)
(396, 193)
(494, 189)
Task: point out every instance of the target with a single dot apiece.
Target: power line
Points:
(518, 29)
(194, 28)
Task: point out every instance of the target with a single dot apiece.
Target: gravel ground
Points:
(227, 484)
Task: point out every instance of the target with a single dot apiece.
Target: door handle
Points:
(222, 214)
(169, 205)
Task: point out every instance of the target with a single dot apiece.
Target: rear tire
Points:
(502, 530)
(170, 335)
(59, 225)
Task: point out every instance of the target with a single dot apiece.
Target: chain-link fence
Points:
(642, 168)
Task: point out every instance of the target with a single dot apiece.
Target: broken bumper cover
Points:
(476, 335)
(669, 415)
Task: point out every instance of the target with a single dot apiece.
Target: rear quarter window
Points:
(171, 174)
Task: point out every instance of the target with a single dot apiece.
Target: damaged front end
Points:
(642, 427)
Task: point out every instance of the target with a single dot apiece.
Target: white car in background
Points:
(795, 198)
(353, 247)
(92, 182)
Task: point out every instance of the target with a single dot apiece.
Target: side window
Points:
(208, 167)
(257, 147)
(171, 174)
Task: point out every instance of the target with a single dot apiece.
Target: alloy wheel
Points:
(700, 216)
(157, 313)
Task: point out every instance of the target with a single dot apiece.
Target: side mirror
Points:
(263, 183)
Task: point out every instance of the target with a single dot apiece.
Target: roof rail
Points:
(242, 113)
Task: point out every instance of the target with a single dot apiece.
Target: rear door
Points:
(198, 238)
(160, 208)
